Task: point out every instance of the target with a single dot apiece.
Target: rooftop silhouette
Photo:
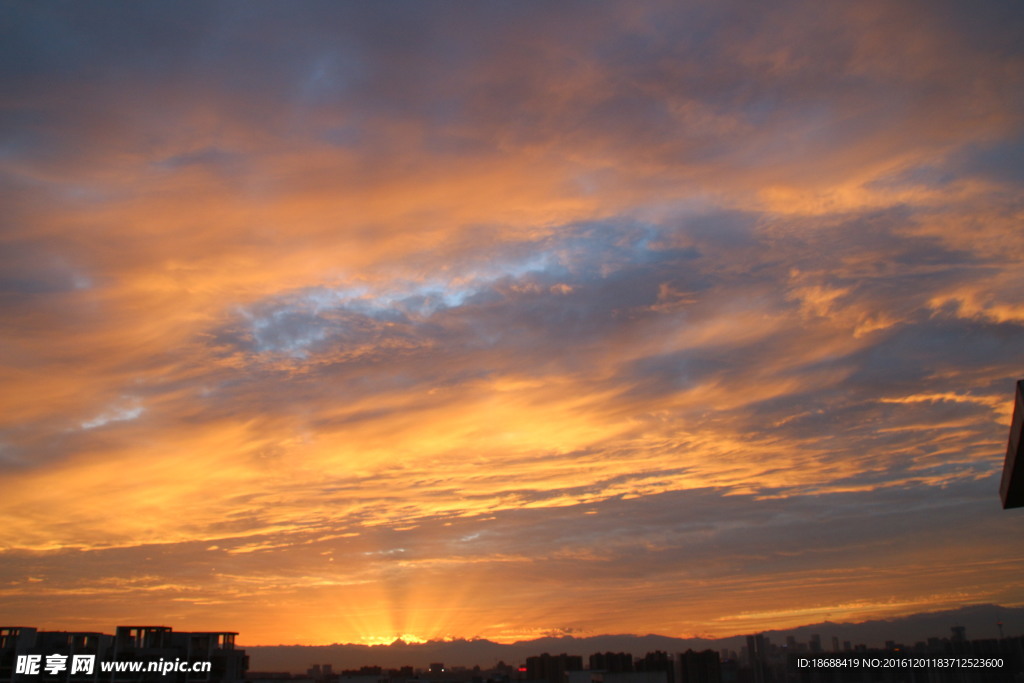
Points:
(1012, 487)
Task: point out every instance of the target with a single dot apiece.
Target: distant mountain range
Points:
(979, 620)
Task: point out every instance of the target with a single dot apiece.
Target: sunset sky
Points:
(348, 321)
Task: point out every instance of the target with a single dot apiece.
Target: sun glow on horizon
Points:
(407, 638)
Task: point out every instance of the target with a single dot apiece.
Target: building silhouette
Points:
(552, 668)
(700, 667)
(612, 662)
(173, 653)
(757, 658)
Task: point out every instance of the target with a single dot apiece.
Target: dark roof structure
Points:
(1011, 490)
